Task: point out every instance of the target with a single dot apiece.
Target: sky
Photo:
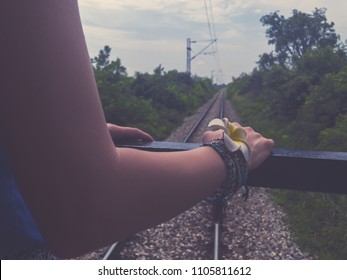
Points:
(147, 33)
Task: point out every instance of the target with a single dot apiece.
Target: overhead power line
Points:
(210, 22)
(211, 43)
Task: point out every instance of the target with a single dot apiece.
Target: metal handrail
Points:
(317, 171)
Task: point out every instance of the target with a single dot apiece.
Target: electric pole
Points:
(189, 50)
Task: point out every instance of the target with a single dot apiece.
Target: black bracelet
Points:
(236, 167)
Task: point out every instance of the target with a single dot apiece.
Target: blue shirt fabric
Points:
(18, 230)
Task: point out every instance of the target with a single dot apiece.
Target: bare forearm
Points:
(150, 188)
(178, 180)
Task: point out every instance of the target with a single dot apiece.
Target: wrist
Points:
(236, 170)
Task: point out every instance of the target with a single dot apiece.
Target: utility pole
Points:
(189, 50)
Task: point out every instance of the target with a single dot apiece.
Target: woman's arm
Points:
(83, 192)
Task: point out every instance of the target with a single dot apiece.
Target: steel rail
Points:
(216, 241)
(218, 206)
(198, 122)
(110, 251)
(217, 220)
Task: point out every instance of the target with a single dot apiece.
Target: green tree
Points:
(159, 70)
(156, 103)
(302, 104)
(106, 70)
(103, 59)
(334, 138)
(326, 102)
(294, 36)
(317, 63)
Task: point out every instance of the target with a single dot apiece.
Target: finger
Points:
(236, 124)
(248, 129)
(147, 137)
(269, 143)
(138, 134)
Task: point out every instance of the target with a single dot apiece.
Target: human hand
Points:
(122, 133)
(259, 146)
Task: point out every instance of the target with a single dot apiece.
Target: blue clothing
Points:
(18, 230)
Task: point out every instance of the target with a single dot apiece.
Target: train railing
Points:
(316, 171)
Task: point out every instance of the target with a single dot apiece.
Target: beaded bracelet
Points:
(237, 171)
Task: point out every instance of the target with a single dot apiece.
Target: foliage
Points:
(156, 103)
(296, 35)
(298, 97)
(334, 138)
(315, 64)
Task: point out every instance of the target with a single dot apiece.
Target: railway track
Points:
(215, 109)
(217, 208)
(254, 229)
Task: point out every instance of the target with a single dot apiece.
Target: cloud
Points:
(146, 33)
